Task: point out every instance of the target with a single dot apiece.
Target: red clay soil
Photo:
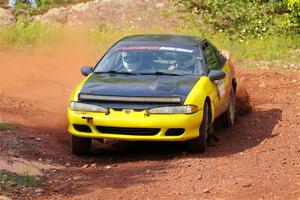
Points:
(258, 158)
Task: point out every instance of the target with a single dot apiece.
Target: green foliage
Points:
(242, 34)
(5, 126)
(42, 3)
(282, 48)
(271, 48)
(28, 181)
(292, 5)
(26, 33)
(55, 3)
(243, 19)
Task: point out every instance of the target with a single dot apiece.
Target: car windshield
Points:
(148, 60)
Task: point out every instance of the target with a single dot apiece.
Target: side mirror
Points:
(216, 75)
(86, 70)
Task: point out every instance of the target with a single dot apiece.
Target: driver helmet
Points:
(132, 60)
(185, 60)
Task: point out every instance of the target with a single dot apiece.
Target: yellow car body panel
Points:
(75, 92)
(202, 90)
(190, 122)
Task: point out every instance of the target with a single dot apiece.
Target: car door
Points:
(215, 61)
(226, 82)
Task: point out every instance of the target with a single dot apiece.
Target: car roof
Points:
(168, 39)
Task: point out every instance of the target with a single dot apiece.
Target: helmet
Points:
(132, 60)
(185, 60)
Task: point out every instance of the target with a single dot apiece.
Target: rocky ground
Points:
(120, 13)
(6, 17)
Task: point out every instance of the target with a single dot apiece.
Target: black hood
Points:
(138, 85)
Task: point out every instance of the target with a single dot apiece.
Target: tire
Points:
(199, 144)
(228, 118)
(81, 146)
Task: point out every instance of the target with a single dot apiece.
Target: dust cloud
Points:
(45, 78)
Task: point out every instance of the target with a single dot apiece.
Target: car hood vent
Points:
(133, 99)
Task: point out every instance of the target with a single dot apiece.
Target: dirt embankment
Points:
(126, 14)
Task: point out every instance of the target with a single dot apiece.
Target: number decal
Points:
(220, 87)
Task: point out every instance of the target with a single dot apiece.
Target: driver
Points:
(132, 60)
(185, 61)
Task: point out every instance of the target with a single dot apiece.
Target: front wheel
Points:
(199, 144)
(80, 146)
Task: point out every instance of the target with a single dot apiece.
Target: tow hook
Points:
(89, 120)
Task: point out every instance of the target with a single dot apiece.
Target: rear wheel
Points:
(228, 118)
(199, 144)
(80, 146)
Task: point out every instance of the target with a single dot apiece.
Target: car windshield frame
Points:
(114, 60)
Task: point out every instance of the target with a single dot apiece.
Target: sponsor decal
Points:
(162, 48)
(176, 49)
(167, 48)
(220, 88)
(137, 48)
(81, 113)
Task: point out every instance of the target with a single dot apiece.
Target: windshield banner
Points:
(162, 48)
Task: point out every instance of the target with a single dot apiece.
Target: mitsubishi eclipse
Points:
(154, 88)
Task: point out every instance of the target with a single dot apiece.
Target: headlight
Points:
(189, 109)
(87, 107)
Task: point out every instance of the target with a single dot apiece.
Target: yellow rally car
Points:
(153, 88)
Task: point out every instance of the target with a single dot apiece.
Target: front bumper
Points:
(135, 119)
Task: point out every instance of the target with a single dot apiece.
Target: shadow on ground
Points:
(248, 132)
(131, 163)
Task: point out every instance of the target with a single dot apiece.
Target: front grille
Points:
(121, 109)
(128, 131)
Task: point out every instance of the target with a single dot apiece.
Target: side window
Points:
(211, 58)
(220, 56)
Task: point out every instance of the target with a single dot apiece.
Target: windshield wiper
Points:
(162, 73)
(116, 72)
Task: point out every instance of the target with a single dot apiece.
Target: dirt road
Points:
(258, 158)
